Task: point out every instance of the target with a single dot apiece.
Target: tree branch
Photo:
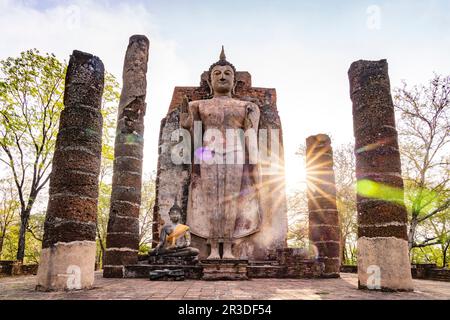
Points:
(435, 211)
(30, 230)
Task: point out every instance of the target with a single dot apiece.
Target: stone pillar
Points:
(324, 229)
(69, 247)
(383, 260)
(122, 242)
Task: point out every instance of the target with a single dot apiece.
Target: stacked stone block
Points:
(296, 263)
(122, 241)
(383, 261)
(324, 230)
(224, 269)
(69, 247)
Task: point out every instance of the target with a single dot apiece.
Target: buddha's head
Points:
(175, 215)
(221, 77)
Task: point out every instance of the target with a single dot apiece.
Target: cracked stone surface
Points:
(345, 288)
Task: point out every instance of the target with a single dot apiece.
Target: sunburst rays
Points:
(316, 170)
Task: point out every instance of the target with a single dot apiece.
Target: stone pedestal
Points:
(68, 249)
(165, 260)
(383, 265)
(167, 275)
(192, 272)
(122, 242)
(224, 269)
(297, 263)
(383, 260)
(67, 266)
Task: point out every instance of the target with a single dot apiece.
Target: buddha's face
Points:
(175, 216)
(222, 80)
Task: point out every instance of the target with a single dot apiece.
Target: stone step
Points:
(224, 269)
(163, 260)
(263, 263)
(143, 270)
(224, 276)
(262, 272)
(232, 270)
(224, 262)
(306, 269)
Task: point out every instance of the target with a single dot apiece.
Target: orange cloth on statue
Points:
(179, 231)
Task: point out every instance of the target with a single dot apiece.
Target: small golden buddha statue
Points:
(175, 238)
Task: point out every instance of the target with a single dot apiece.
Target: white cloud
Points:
(103, 29)
(304, 54)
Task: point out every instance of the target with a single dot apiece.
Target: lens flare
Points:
(203, 154)
(375, 190)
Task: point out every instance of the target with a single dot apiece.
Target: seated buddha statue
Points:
(175, 238)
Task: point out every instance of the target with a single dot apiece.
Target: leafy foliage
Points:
(31, 91)
(424, 131)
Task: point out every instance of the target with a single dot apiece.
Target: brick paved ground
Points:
(140, 289)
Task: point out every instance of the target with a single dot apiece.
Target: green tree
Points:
(297, 206)
(110, 101)
(441, 228)
(10, 243)
(146, 213)
(297, 211)
(31, 98)
(345, 177)
(102, 219)
(31, 90)
(424, 131)
(9, 208)
(34, 236)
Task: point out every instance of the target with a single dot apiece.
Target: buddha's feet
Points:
(228, 256)
(227, 253)
(214, 255)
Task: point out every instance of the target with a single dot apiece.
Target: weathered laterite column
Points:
(383, 261)
(122, 241)
(68, 249)
(324, 230)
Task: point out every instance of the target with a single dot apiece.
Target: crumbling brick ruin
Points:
(69, 247)
(324, 229)
(383, 260)
(122, 242)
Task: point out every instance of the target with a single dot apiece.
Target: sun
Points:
(295, 173)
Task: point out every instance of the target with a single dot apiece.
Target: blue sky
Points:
(303, 49)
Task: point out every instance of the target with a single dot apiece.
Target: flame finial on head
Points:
(222, 55)
(175, 205)
(222, 62)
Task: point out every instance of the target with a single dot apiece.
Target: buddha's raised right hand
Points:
(184, 113)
